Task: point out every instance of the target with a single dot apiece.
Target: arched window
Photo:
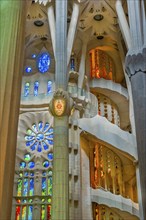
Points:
(33, 179)
(101, 64)
(49, 87)
(36, 88)
(26, 89)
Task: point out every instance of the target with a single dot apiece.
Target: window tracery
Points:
(33, 178)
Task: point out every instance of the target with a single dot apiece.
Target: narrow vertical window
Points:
(36, 88)
(26, 89)
(72, 62)
(49, 87)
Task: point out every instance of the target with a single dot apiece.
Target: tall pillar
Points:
(12, 25)
(136, 69)
(51, 20)
(60, 196)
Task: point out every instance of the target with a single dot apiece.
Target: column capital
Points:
(136, 63)
(61, 103)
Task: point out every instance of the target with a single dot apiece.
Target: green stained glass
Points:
(24, 212)
(30, 209)
(43, 213)
(43, 186)
(27, 157)
(49, 200)
(19, 187)
(50, 186)
(20, 174)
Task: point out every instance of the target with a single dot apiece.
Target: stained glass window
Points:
(43, 62)
(33, 183)
(36, 88)
(28, 69)
(49, 87)
(26, 89)
(39, 137)
(101, 64)
(72, 62)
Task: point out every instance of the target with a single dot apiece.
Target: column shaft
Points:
(12, 22)
(60, 198)
(72, 30)
(138, 83)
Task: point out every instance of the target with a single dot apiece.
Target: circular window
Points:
(39, 137)
(31, 164)
(22, 165)
(27, 157)
(46, 164)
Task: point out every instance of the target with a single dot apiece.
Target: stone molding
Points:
(136, 63)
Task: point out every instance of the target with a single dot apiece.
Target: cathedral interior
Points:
(73, 110)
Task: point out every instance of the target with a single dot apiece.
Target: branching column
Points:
(60, 201)
(12, 24)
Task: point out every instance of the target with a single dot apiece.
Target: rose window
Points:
(39, 137)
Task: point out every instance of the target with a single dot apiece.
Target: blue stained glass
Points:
(33, 55)
(39, 147)
(46, 164)
(49, 136)
(34, 146)
(25, 188)
(29, 143)
(40, 137)
(30, 210)
(50, 130)
(47, 125)
(26, 89)
(49, 87)
(31, 164)
(34, 127)
(31, 192)
(22, 165)
(26, 174)
(72, 63)
(43, 62)
(50, 156)
(40, 126)
(28, 138)
(28, 69)
(44, 173)
(36, 88)
(31, 174)
(49, 141)
(45, 146)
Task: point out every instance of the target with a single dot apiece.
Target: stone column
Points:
(72, 30)
(51, 20)
(136, 69)
(60, 198)
(123, 23)
(12, 25)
